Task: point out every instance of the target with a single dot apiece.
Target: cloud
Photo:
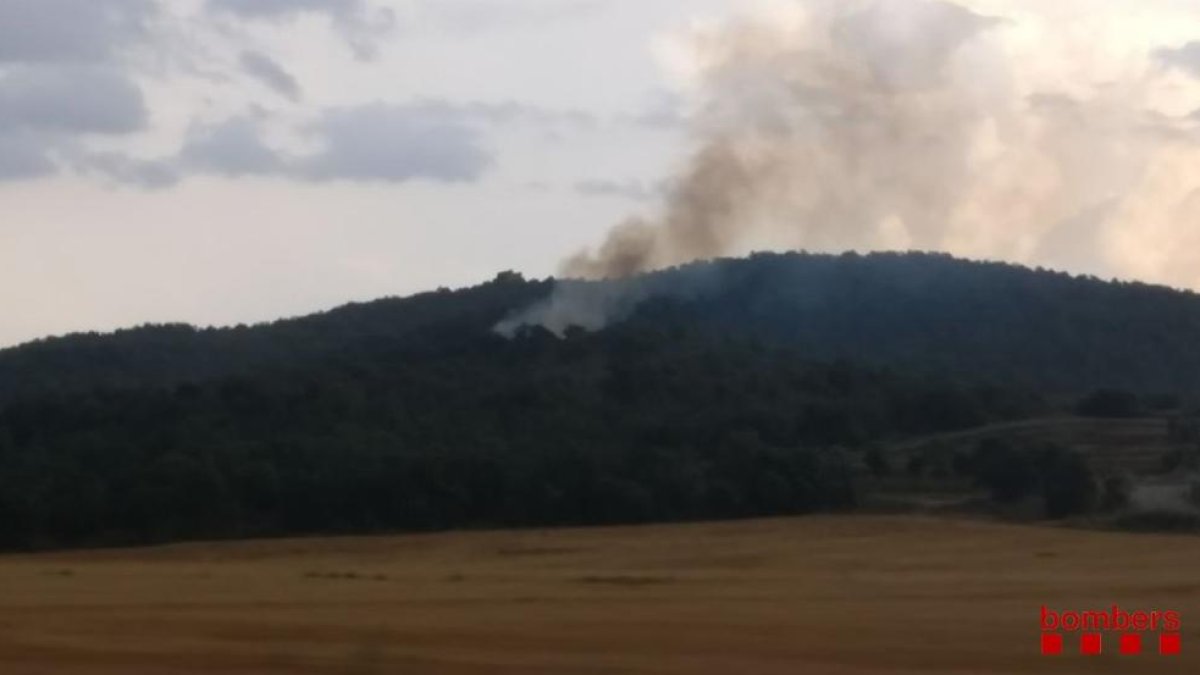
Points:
(23, 156)
(548, 122)
(478, 15)
(432, 140)
(266, 70)
(63, 78)
(382, 142)
(45, 110)
(376, 142)
(70, 71)
(286, 8)
(125, 170)
(1185, 58)
(361, 24)
(231, 148)
(70, 100)
(65, 31)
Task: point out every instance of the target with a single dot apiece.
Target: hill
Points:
(936, 314)
(931, 312)
(754, 393)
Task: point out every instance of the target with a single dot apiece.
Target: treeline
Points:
(628, 425)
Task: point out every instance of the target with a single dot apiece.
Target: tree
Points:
(1007, 472)
(1069, 486)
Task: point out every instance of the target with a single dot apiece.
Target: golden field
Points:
(850, 595)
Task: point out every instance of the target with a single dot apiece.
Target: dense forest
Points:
(926, 312)
(753, 396)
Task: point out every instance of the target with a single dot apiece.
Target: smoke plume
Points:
(980, 130)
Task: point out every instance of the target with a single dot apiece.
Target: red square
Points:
(1091, 644)
(1168, 644)
(1131, 643)
(1052, 644)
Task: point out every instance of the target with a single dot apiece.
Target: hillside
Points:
(931, 312)
(938, 314)
(755, 393)
(167, 355)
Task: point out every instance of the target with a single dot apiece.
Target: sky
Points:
(235, 161)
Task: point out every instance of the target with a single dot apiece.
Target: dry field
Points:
(827, 595)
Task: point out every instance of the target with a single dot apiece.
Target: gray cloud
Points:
(45, 109)
(549, 122)
(70, 100)
(232, 148)
(372, 143)
(23, 156)
(57, 31)
(285, 8)
(377, 142)
(1185, 58)
(266, 70)
(125, 170)
(62, 79)
(381, 142)
(361, 24)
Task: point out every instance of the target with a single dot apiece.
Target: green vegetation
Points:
(619, 426)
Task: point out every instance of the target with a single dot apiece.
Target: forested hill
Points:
(922, 312)
(167, 355)
(935, 313)
(756, 392)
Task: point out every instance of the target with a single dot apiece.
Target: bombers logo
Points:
(1131, 629)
